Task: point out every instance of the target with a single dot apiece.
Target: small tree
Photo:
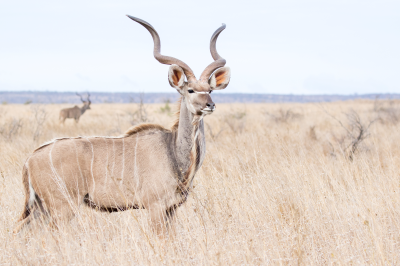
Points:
(40, 116)
(140, 115)
(356, 132)
(284, 116)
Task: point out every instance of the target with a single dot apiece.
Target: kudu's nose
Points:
(210, 105)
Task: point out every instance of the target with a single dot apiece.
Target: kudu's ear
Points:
(176, 77)
(220, 79)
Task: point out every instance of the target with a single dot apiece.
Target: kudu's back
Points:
(73, 112)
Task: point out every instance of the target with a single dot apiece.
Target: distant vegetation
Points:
(218, 97)
(166, 108)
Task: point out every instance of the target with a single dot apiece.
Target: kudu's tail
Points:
(32, 201)
(28, 199)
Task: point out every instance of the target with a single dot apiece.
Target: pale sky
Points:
(298, 47)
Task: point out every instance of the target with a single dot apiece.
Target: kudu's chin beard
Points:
(198, 118)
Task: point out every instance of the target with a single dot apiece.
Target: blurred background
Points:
(285, 47)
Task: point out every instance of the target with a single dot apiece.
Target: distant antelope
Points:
(75, 112)
(149, 167)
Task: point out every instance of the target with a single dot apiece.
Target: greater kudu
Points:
(75, 112)
(149, 167)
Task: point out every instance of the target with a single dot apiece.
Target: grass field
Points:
(280, 185)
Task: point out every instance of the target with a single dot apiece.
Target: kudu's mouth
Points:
(208, 110)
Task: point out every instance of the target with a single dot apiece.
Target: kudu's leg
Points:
(170, 219)
(162, 220)
(62, 214)
(62, 208)
(22, 224)
(36, 212)
(77, 118)
(29, 207)
(158, 219)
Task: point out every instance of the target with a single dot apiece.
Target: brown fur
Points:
(194, 161)
(51, 142)
(177, 114)
(74, 112)
(144, 127)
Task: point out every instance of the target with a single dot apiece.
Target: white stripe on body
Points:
(57, 179)
(91, 165)
(135, 171)
(106, 161)
(32, 193)
(113, 167)
(123, 160)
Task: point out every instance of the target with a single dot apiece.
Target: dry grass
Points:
(269, 192)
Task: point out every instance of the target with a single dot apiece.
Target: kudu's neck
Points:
(84, 108)
(190, 146)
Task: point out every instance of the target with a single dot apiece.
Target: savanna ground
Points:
(282, 184)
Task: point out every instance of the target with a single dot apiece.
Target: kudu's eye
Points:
(190, 91)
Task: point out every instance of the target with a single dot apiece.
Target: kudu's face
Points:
(197, 93)
(87, 105)
(198, 99)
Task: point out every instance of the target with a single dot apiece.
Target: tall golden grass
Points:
(277, 187)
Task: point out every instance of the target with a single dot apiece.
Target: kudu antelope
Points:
(75, 112)
(148, 167)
